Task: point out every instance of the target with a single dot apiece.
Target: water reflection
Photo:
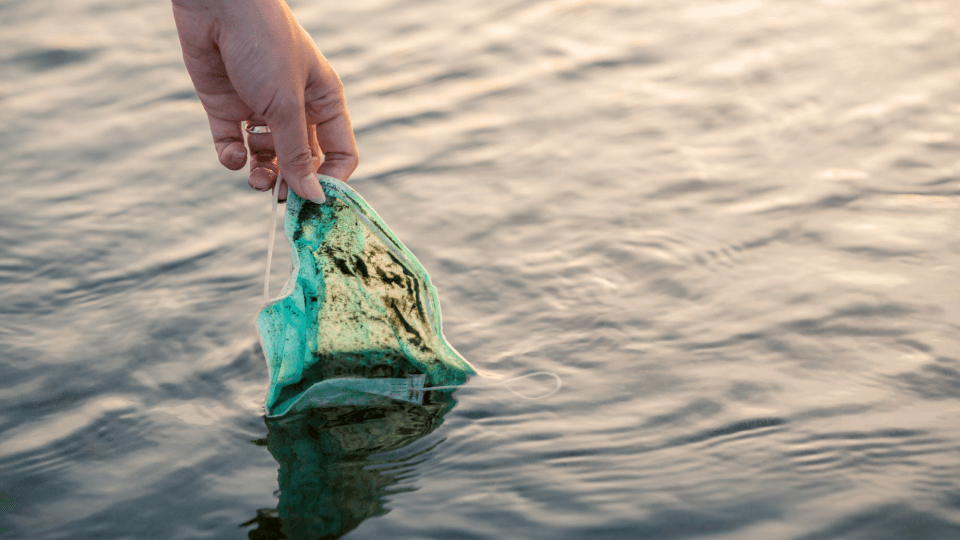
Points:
(327, 484)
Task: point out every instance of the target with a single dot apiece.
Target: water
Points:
(732, 227)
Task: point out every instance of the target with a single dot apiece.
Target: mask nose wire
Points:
(273, 237)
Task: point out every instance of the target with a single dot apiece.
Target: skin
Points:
(251, 61)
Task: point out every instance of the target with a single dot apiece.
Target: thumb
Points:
(289, 128)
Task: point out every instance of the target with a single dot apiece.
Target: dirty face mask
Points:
(358, 322)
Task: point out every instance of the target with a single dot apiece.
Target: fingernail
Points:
(311, 183)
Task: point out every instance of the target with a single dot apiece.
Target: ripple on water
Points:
(731, 229)
(52, 58)
(936, 380)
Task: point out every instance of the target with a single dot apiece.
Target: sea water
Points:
(731, 226)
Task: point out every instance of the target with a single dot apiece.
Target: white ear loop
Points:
(273, 237)
(502, 383)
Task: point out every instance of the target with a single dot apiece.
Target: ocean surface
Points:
(731, 226)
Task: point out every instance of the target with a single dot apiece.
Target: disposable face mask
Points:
(358, 322)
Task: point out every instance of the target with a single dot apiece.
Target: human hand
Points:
(251, 61)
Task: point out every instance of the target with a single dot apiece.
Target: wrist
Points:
(220, 5)
(212, 6)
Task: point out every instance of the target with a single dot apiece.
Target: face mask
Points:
(358, 321)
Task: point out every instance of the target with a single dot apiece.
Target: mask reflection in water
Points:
(327, 487)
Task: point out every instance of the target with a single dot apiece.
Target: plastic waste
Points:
(358, 322)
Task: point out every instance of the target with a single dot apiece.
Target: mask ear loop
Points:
(505, 383)
(273, 237)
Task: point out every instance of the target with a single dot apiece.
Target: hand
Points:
(251, 61)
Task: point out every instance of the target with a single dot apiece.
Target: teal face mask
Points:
(359, 321)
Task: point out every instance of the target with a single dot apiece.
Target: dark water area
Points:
(732, 227)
